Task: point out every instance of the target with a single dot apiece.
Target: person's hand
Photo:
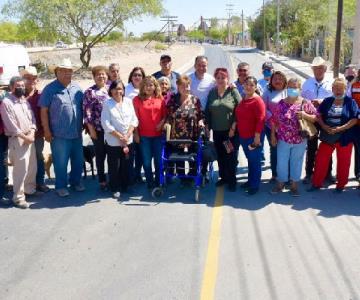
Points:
(334, 130)
(48, 136)
(201, 124)
(159, 126)
(256, 141)
(327, 128)
(273, 140)
(316, 102)
(136, 137)
(299, 114)
(93, 134)
(231, 132)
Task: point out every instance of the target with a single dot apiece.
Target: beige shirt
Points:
(17, 116)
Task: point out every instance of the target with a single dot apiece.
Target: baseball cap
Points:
(165, 56)
(267, 65)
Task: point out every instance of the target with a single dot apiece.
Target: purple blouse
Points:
(94, 99)
(284, 116)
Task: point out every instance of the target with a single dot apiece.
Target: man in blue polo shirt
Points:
(61, 118)
(165, 64)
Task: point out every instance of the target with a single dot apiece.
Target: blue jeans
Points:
(151, 148)
(290, 155)
(254, 162)
(3, 164)
(39, 147)
(273, 152)
(64, 150)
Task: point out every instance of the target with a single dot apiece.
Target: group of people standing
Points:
(126, 125)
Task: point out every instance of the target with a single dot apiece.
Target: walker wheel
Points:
(157, 192)
(197, 195)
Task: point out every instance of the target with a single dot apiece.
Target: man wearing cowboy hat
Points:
(61, 118)
(315, 89)
(19, 126)
(30, 77)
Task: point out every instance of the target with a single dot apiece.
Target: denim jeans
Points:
(290, 155)
(151, 149)
(273, 152)
(254, 162)
(39, 147)
(3, 163)
(64, 150)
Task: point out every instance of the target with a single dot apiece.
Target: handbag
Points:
(209, 152)
(307, 129)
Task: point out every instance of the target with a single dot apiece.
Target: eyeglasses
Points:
(137, 75)
(242, 70)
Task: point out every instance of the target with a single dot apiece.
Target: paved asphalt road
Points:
(228, 246)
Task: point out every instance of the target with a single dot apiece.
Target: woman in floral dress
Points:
(94, 98)
(185, 117)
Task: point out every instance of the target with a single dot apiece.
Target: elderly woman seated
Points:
(185, 118)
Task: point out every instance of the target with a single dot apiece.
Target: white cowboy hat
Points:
(319, 61)
(64, 64)
(31, 70)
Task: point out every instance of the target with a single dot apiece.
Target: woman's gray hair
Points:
(295, 80)
(164, 78)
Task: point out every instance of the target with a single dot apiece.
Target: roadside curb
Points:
(283, 63)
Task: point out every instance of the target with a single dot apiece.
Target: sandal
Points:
(277, 189)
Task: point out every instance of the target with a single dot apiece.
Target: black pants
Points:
(118, 164)
(100, 155)
(227, 161)
(312, 146)
(135, 163)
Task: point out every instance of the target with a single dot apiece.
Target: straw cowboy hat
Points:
(64, 64)
(319, 61)
(31, 70)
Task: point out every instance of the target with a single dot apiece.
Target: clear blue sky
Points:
(189, 11)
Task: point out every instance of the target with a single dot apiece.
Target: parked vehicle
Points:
(60, 45)
(13, 58)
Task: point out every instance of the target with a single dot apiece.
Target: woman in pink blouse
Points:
(285, 133)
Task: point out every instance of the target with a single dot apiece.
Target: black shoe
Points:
(306, 180)
(220, 182)
(338, 190)
(252, 191)
(313, 189)
(331, 179)
(139, 180)
(232, 187)
(245, 185)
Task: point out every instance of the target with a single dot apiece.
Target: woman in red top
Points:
(250, 119)
(151, 113)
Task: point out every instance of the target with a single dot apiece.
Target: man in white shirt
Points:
(201, 81)
(315, 89)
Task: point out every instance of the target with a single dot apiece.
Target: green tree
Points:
(8, 32)
(196, 35)
(153, 36)
(86, 21)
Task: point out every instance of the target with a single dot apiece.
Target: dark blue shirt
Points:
(173, 77)
(65, 109)
(349, 112)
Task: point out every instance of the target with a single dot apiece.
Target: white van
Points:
(13, 58)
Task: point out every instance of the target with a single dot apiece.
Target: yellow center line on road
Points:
(211, 265)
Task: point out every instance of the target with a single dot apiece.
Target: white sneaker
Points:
(21, 204)
(62, 192)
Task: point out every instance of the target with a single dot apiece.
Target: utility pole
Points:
(338, 38)
(169, 23)
(242, 29)
(356, 44)
(278, 28)
(229, 9)
(264, 31)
